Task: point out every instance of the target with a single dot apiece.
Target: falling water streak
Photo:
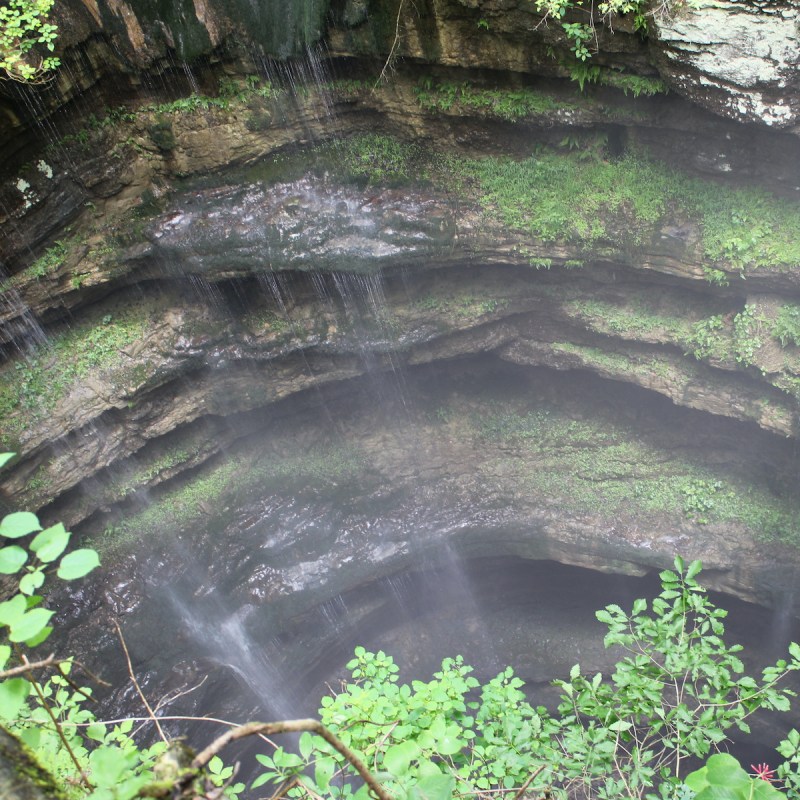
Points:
(79, 98)
(321, 291)
(465, 597)
(401, 588)
(277, 286)
(335, 613)
(319, 77)
(208, 291)
(356, 291)
(222, 633)
(194, 85)
(42, 119)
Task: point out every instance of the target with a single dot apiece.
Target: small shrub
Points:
(162, 134)
(786, 328)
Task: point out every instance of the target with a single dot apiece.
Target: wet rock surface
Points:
(305, 224)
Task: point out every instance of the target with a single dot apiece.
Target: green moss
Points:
(509, 104)
(456, 304)
(229, 482)
(596, 466)
(637, 318)
(262, 319)
(35, 384)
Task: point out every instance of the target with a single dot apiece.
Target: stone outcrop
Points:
(190, 306)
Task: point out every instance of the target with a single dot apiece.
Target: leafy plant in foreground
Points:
(88, 758)
(675, 695)
(23, 25)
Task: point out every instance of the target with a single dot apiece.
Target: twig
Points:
(289, 783)
(528, 782)
(171, 698)
(136, 683)
(50, 661)
(293, 726)
(395, 45)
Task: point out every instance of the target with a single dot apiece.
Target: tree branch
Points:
(292, 726)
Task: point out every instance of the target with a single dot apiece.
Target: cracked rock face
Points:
(738, 59)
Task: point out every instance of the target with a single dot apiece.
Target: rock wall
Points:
(284, 237)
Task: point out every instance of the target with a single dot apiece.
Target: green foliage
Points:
(23, 26)
(716, 277)
(510, 104)
(698, 498)
(676, 693)
(708, 338)
(35, 384)
(723, 776)
(716, 339)
(378, 159)
(637, 85)
(786, 327)
(581, 35)
(563, 197)
(52, 259)
(747, 328)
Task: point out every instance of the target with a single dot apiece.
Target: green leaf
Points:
(96, 731)
(306, 745)
(77, 564)
(50, 543)
(694, 569)
(433, 787)
(13, 694)
(40, 637)
(29, 625)
(323, 772)
(108, 765)
(5, 458)
(5, 654)
(31, 581)
(262, 779)
(399, 756)
(12, 610)
(12, 559)
(18, 524)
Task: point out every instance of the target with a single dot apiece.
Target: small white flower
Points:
(44, 168)
(23, 185)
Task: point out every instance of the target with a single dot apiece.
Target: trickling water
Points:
(190, 78)
(220, 632)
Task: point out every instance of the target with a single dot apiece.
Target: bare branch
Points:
(136, 683)
(530, 779)
(24, 669)
(292, 726)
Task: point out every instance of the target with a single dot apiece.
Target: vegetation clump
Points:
(36, 383)
(674, 697)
